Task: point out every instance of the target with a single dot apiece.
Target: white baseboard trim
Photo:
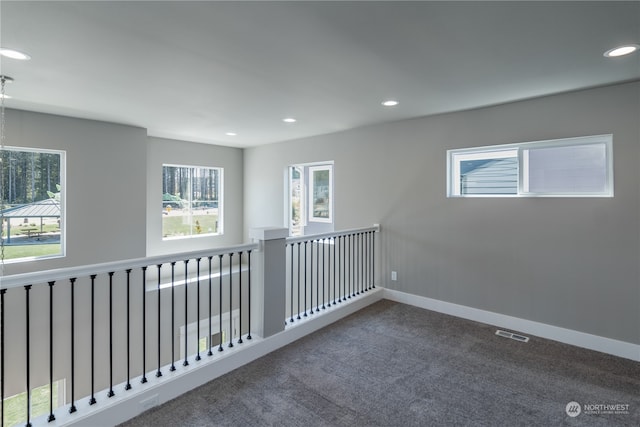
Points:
(568, 336)
(158, 390)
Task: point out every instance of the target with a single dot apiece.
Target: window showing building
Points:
(32, 203)
(572, 167)
(191, 201)
(310, 195)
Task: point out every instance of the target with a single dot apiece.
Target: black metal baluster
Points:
(2, 292)
(365, 260)
(197, 309)
(328, 262)
(354, 267)
(144, 325)
(72, 408)
(110, 393)
(186, 312)
(345, 273)
(299, 281)
(28, 341)
(220, 307)
(311, 284)
(92, 400)
(334, 270)
(373, 259)
(324, 269)
(348, 266)
(249, 292)
(291, 284)
(359, 262)
(305, 278)
(231, 300)
(369, 276)
(329, 275)
(128, 385)
(354, 264)
(51, 416)
(173, 316)
(339, 249)
(159, 267)
(363, 257)
(351, 266)
(240, 296)
(344, 268)
(210, 353)
(318, 265)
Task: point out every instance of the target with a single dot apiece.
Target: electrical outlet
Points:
(394, 275)
(150, 402)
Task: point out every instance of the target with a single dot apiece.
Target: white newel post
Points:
(268, 288)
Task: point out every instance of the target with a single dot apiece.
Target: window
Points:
(320, 196)
(191, 201)
(32, 203)
(573, 167)
(297, 215)
(310, 198)
(15, 407)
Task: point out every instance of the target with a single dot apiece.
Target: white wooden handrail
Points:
(36, 277)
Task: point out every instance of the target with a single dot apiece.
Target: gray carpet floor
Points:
(396, 365)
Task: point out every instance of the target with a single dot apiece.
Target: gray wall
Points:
(568, 262)
(105, 185)
(166, 151)
(114, 187)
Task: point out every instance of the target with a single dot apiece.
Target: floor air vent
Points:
(513, 336)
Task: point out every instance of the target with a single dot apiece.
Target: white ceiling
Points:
(196, 70)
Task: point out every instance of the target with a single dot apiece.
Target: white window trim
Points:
(313, 169)
(303, 196)
(63, 205)
(220, 230)
(306, 197)
(507, 150)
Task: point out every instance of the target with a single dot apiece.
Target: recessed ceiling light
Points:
(4, 96)
(390, 103)
(621, 50)
(289, 120)
(231, 134)
(14, 54)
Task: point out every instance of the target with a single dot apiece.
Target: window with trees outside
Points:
(191, 201)
(32, 203)
(570, 167)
